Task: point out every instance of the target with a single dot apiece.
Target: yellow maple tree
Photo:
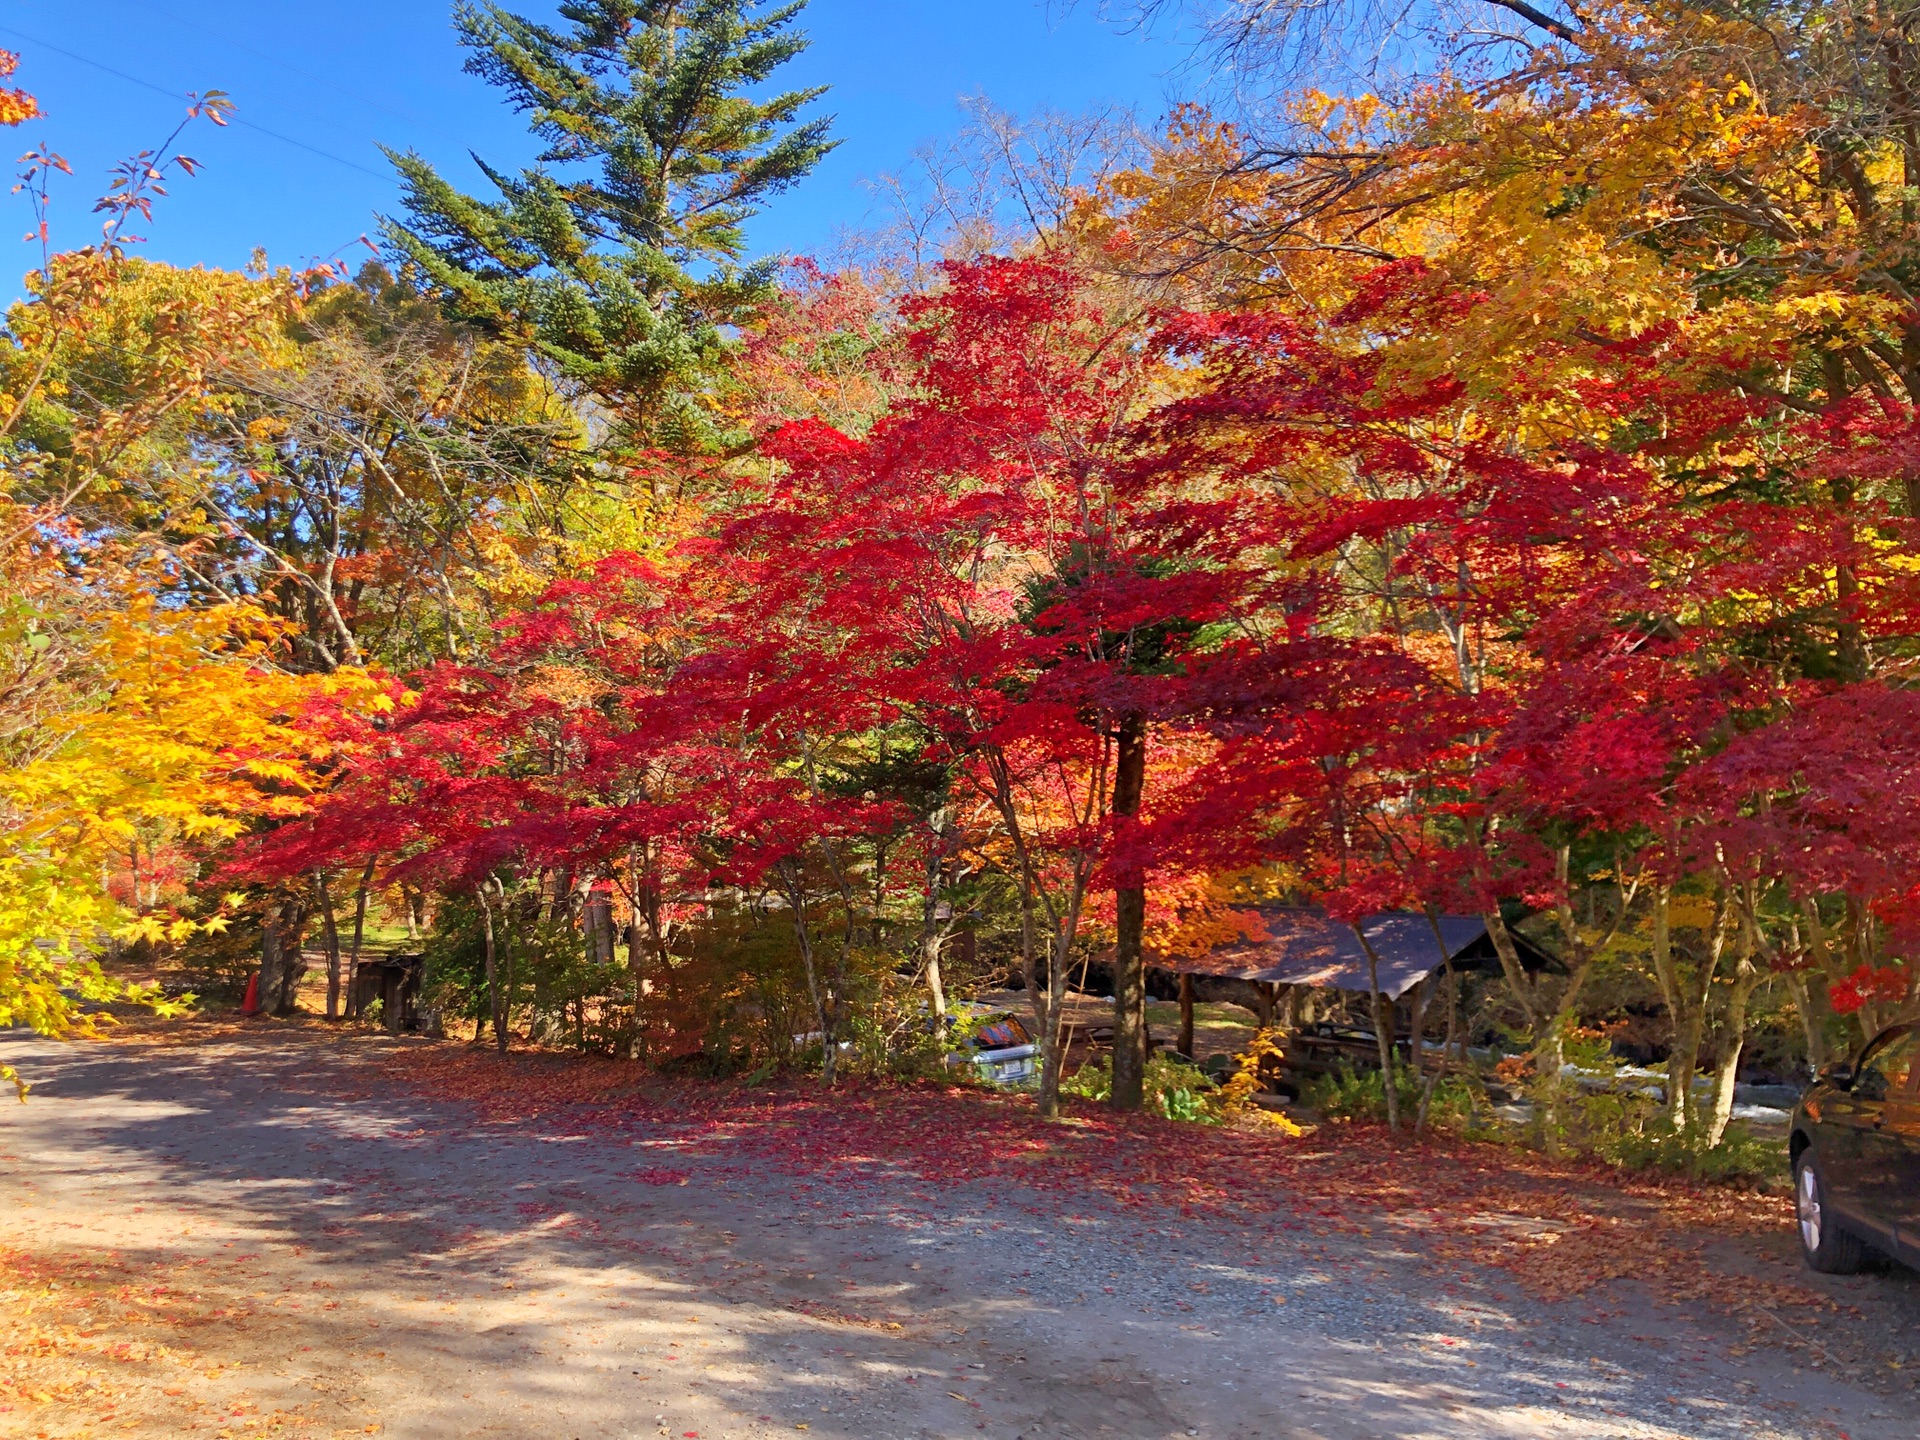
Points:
(167, 728)
(127, 724)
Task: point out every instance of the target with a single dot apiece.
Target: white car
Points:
(1000, 1050)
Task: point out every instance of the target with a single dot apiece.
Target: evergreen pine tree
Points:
(616, 255)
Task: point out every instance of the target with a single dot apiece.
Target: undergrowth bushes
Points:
(1632, 1132)
(1176, 1089)
(1627, 1131)
(730, 998)
(1347, 1094)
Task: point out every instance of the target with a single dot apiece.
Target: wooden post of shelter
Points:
(1186, 1015)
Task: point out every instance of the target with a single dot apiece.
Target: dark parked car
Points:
(1856, 1156)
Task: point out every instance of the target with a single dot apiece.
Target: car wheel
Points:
(1829, 1249)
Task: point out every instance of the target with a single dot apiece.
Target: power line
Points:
(175, 95)
(289, 66)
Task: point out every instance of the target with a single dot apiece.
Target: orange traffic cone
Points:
(251, 1005)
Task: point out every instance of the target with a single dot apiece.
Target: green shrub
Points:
(1185, 1105)
(1181, 1090)
(1349, 1094)
(1092, 1081)
(1589, 1049)
(1633, 1132)
(1176, 1089)
(893, 1031)
(218, 964)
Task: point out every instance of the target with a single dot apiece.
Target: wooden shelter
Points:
(393, 980)
(1304, 946)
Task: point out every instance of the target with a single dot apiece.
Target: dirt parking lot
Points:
(281, 1231)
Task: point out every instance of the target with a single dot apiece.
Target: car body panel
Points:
(1866, 1132)
(1009, 1065)
(1877, 1144)
(1900, 1139)
(999, 1050)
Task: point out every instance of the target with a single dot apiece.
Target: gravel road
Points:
(329, 1257)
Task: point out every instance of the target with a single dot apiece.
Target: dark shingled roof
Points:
(1305, 947)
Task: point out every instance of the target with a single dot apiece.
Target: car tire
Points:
(1829, 1248)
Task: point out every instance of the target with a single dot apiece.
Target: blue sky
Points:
(345, 76)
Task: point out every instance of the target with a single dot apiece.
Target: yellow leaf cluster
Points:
(16, 106)
(177, 729)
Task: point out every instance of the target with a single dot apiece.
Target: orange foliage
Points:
(16, 106)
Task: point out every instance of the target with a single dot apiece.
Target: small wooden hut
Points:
(393, 980)
(1305, 947)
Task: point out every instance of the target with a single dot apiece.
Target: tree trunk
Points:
(359, 932)
(1859, 951)
(936, 987)
(1130, 915)
(1440, 1070)
(496, 1000)
(930, 937)
(1383, 1039)
(1821, 947)
(1543, 1031)
(281, 965)
(1060, 938)
(596, 922)
(1382, 1030)
(504, 1025)
(1686, 1009)
(1456, 1032)
(1688, 1006)
(636, 940)
(269, 985)
(1060, 952)
(1047, 1000)
(794, 886)
(1671, 996)
(1745, 981)
(330, 933)
(837, 989)
(1417, 1030)
(1045, 1019)
(1550, 1057)
(294, 952)
(1186, 1016)
(1063, 926)
(1810, 1026)
(1511, 970)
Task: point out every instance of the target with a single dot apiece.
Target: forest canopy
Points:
(1489, 487)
